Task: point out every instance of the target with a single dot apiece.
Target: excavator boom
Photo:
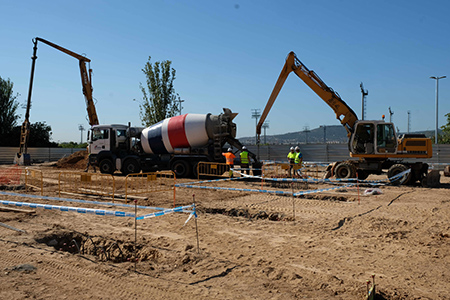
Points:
(344, 113)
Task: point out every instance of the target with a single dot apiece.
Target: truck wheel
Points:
(130, 166)
(195, 171)
(106, 166)
(397, 169)
(345, 170)
(181, 168)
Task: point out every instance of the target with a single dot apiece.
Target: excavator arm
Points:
(344, 113)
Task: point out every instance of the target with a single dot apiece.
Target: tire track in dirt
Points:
(129, 287)
(306, 206)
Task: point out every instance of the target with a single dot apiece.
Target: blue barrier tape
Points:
(168, 211)
(82, 210)
(323, 190)
(327, 180)
(80, 201)
(235, 189)
(211, 180)
(310, 180)
(100, 212)
(269, 191)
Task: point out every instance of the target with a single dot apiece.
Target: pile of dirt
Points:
(77, 160)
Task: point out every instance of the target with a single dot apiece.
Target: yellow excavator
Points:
(374, 142)
(22, 157)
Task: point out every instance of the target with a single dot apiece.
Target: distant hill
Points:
(331, 134)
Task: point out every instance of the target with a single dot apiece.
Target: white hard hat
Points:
(244, 148)
(297, 148)
(229, 150)
(292, 148)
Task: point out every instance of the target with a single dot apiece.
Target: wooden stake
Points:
(293, 200)
(196, 226)
(135, 233)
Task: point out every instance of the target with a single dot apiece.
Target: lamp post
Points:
(179, 101)
(81, 128)
(437, 101)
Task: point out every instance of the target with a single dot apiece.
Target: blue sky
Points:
(229, 54)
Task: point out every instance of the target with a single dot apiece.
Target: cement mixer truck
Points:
(178, 143)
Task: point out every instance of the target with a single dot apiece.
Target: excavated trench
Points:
(271, 215)
(103, 248)
(245, 213)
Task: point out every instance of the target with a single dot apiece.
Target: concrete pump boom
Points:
(86, 79)
(86, 83)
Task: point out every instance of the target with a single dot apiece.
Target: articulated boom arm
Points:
(344, 113)
(85, 79)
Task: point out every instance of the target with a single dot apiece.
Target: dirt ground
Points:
(251, 245)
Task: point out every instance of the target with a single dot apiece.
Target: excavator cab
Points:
(373, 137)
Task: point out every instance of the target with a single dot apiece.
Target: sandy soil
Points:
(251, 245)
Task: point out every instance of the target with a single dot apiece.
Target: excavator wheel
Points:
(345, 170)
(396, 169)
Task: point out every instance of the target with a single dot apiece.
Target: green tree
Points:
(8, 111)
(445, 135)
(40, 135)
(72, 144)
(159, 96)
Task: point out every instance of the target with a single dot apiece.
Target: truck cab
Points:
(106, 138)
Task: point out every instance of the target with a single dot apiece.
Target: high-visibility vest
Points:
(298, 158)
(291, 156)
(229, 158)
(244, 157)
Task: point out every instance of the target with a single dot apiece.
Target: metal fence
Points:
(7, 154)
(311, 152)
(335, 152)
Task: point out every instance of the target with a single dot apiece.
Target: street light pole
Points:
(81, 128)
(437, 102)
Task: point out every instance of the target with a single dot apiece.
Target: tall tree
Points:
(8, 110)
(40, 136)
(445, 136)
(159, 96)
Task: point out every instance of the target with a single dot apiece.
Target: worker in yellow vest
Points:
(298, 160)
(291, 158)
(245, 162)
(229, 158)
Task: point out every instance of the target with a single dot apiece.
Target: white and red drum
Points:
(185, 131)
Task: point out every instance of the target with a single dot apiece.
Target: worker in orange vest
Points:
(229, 157)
